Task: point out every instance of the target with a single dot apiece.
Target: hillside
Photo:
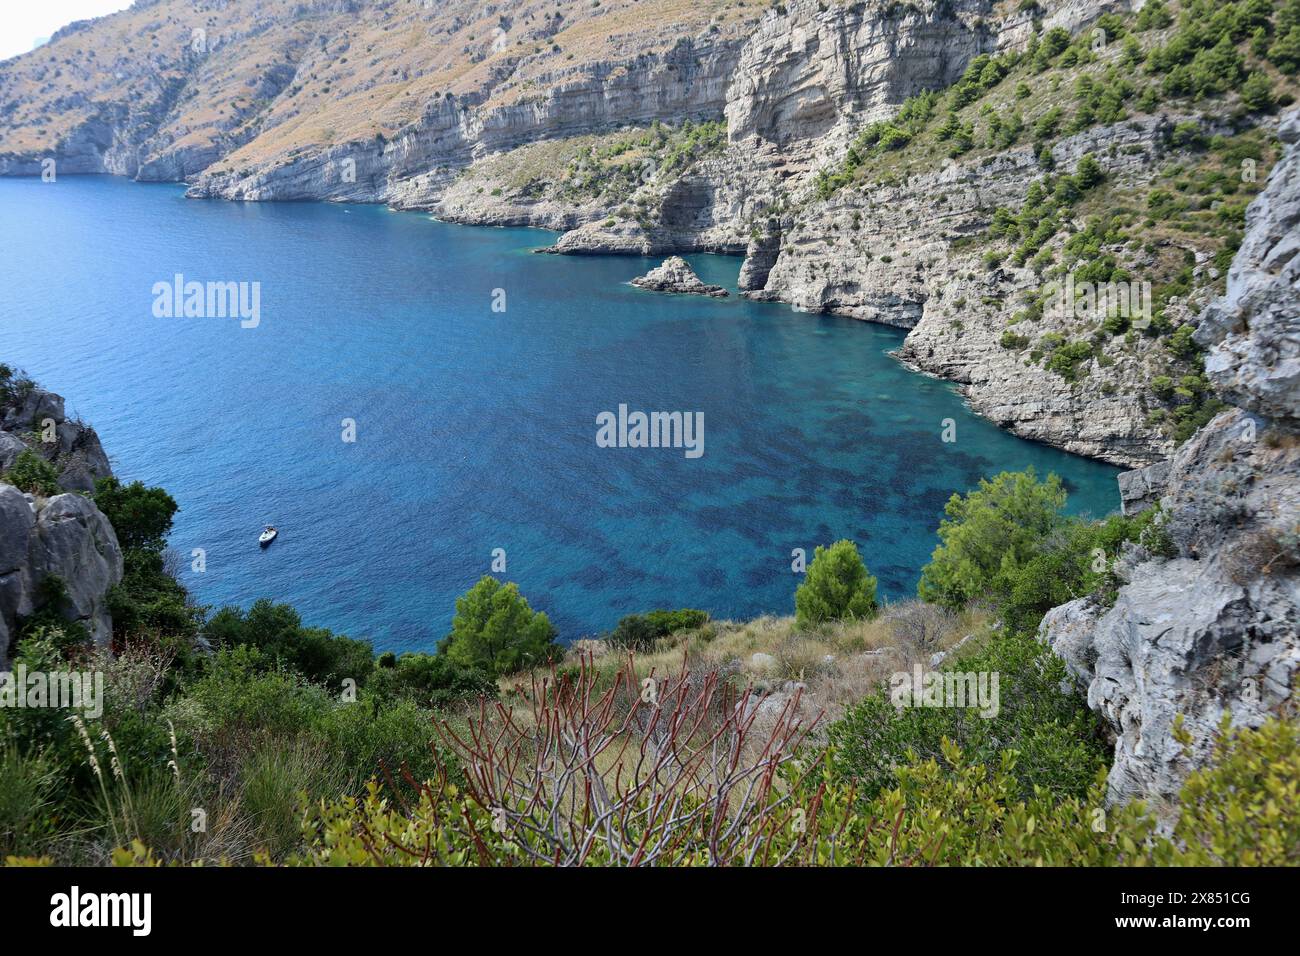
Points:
(894, 162)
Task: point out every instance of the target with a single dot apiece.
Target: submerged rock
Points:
(676, 275)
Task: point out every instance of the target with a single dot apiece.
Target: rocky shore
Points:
(536, 129)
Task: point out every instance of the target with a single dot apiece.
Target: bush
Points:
(837, 586)
(638, 632)
(1088, 173)
(276, 631)
(148, 598)
(988, 536)
(1257, 93)
(495, 630)
(430, 680)
(1058, 739)
(33, 474)
(1243, 808)
(1065, 360)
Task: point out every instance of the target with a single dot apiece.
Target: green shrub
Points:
(836, 586)
(638, 632)
(1243, 808)
(33, 474)
(150, 599)
(1059, 741)
(371, 735)
(141, 517)
(430, 680)
(276, 631)
(1257, 93)
(1065, 361)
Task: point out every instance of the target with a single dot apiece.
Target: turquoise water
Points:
(475, 429)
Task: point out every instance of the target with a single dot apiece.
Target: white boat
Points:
(267, 536)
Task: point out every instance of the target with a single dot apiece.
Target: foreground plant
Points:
(642, 773)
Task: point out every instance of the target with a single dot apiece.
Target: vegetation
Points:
(33, 474)
(1058, 741)
(947, 810)
(1195, 61)
(14, 385)
(653, 746)
(836, 586)
(301, 747)
(495, 630)
(1009, 544)
(639, 632)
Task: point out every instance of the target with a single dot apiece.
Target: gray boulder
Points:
(11, 446)
(64, 536)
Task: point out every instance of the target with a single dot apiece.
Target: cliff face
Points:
(551, 117)
(1215, 628)
(530, 115)
(35, 420)
(64, 537)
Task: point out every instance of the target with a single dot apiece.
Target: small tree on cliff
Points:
(837, 586)
(494, 629)
(141, 516)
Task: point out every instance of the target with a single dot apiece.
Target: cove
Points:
(475, 428)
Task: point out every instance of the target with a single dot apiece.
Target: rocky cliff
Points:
(56, 550)
(34, 419)
(1212, 627)
(654, 127)
(64, 540)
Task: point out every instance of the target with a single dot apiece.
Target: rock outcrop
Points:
(65, 538)
(1208, 622)
(35, 419)
(676, 275)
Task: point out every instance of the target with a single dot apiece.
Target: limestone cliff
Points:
(62, 539)
(1213, 628)
(32, 418)
(655, 127)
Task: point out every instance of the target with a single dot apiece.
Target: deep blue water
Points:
(476, 429)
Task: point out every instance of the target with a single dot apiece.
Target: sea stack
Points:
(676, 275)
